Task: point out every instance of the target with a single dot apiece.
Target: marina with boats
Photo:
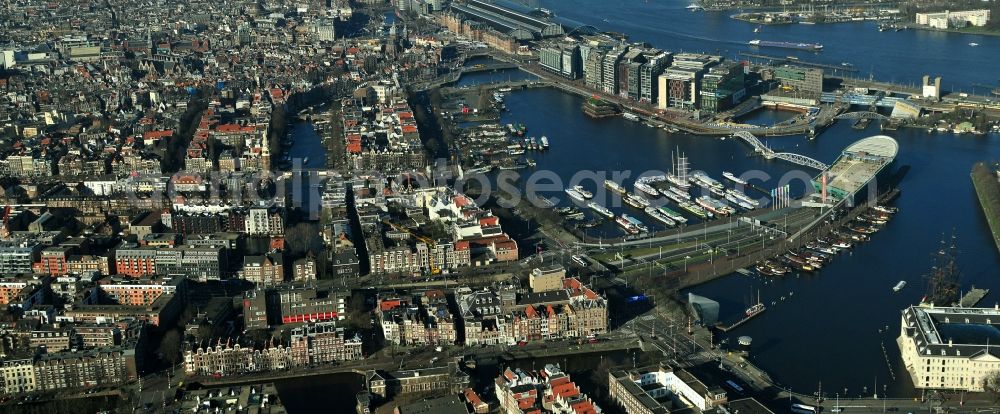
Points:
(655, 193)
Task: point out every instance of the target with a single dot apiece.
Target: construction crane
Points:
(426, 240)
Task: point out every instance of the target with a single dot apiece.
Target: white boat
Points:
(704, 181)
(635, 222)
(755, 309)
(635, 200)
(675, 216)
(715, 206)
(613, 186)
(630, 116)
(899, 286)
(679, 171)
(586, 194)
(545, 142)
(627, 225)
(575, 195)
(673, 196)
(681, 193)
(600, 209)
(305, 160)
(646, 188)
(742, 197)
(733, 200)
(696, 210)
(649, 179)
(732, 177)
(659, 215)
(973, 44)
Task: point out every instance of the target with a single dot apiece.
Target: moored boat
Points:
(613, 186)
(682, 193)
(637, 223)
(646, 188)
(672, 196)
(675, 216)
(731, 177)
(713, 205)
(635, 200)
(663, 218)
(695, 209)
(626, 225)
(583, 192)
(575, 194)
(600, 209)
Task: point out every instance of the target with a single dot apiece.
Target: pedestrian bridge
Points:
(768, 153)
(861, 115)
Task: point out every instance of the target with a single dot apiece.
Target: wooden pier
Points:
(736, 324)
(973, 298)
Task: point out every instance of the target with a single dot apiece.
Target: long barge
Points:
(810, 47)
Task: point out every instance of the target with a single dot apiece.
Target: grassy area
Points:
(988, 191)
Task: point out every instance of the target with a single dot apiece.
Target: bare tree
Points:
(991, 384)
(170, 346)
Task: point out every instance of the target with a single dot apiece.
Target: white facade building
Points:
(946, 19)
(935, 360)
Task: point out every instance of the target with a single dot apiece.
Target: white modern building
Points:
(946, 19)
(950, 348)
(6, 59)
(661, 390)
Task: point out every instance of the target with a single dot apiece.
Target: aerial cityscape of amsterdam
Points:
(500, 206)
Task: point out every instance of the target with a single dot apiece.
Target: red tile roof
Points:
(472, 398)
(151, 135)
(391, 304)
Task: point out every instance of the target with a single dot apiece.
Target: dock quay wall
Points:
(696, 275)
(988, 192)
